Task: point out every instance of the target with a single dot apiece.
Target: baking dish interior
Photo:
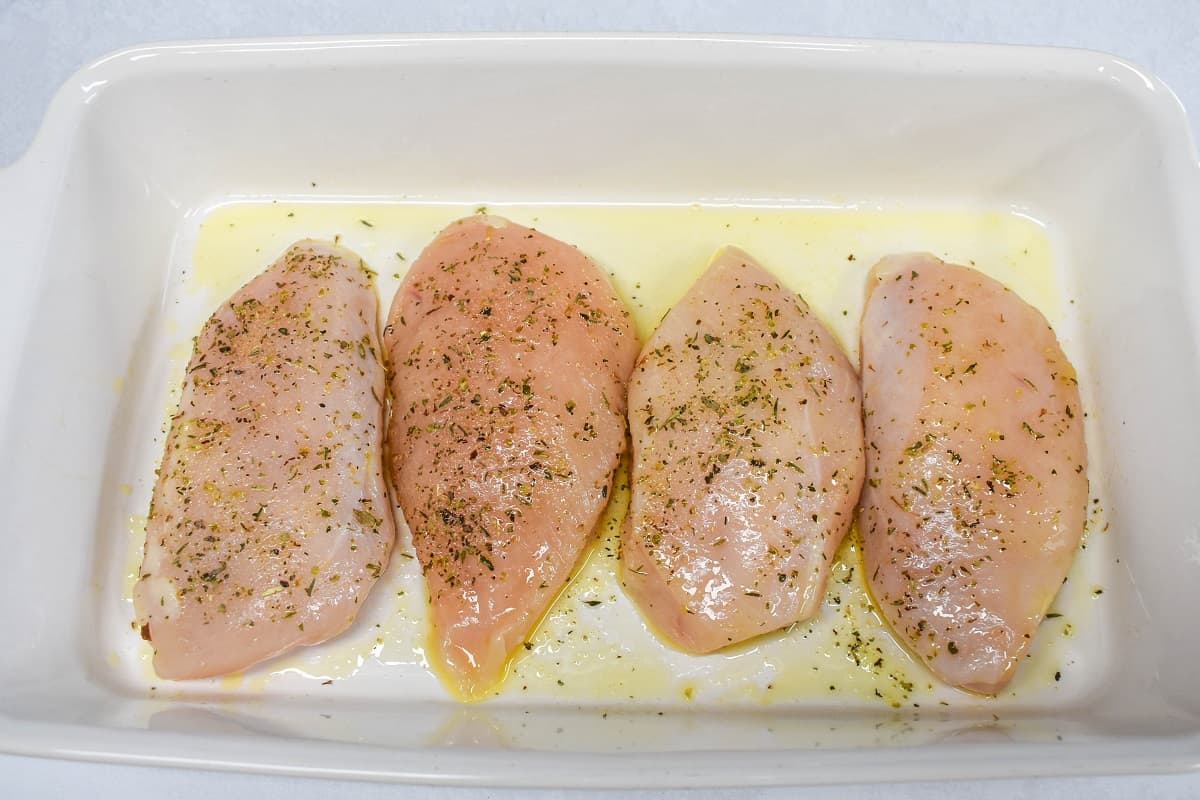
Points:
(1082, 143)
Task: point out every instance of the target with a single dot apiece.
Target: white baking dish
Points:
(95, 227)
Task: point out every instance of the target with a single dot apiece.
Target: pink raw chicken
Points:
(747, 460)
(977, 481)
(270, 519)
(509, 353)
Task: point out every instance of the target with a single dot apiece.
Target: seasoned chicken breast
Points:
(747, 435)
(976, 466)
(270, 519)
(509, 353)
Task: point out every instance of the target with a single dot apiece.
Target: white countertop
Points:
(41, 43)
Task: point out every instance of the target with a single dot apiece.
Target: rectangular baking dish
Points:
(135, 147)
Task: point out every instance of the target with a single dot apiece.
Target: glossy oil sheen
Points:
(271, 519)
(747, 460)
(509, 354)
(977, 486)
(592, 646)
(99, 229)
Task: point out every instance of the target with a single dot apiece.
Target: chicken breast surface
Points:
(510, 354)
(976, 466)
(270, 519)
(747, 435)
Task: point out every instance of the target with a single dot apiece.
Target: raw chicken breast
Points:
(270, 520)
(509, 353)
(747, 460)
(976, 466)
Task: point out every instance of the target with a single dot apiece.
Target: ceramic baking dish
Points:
(95, 227)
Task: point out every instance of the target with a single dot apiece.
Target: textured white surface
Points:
(41, 43)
